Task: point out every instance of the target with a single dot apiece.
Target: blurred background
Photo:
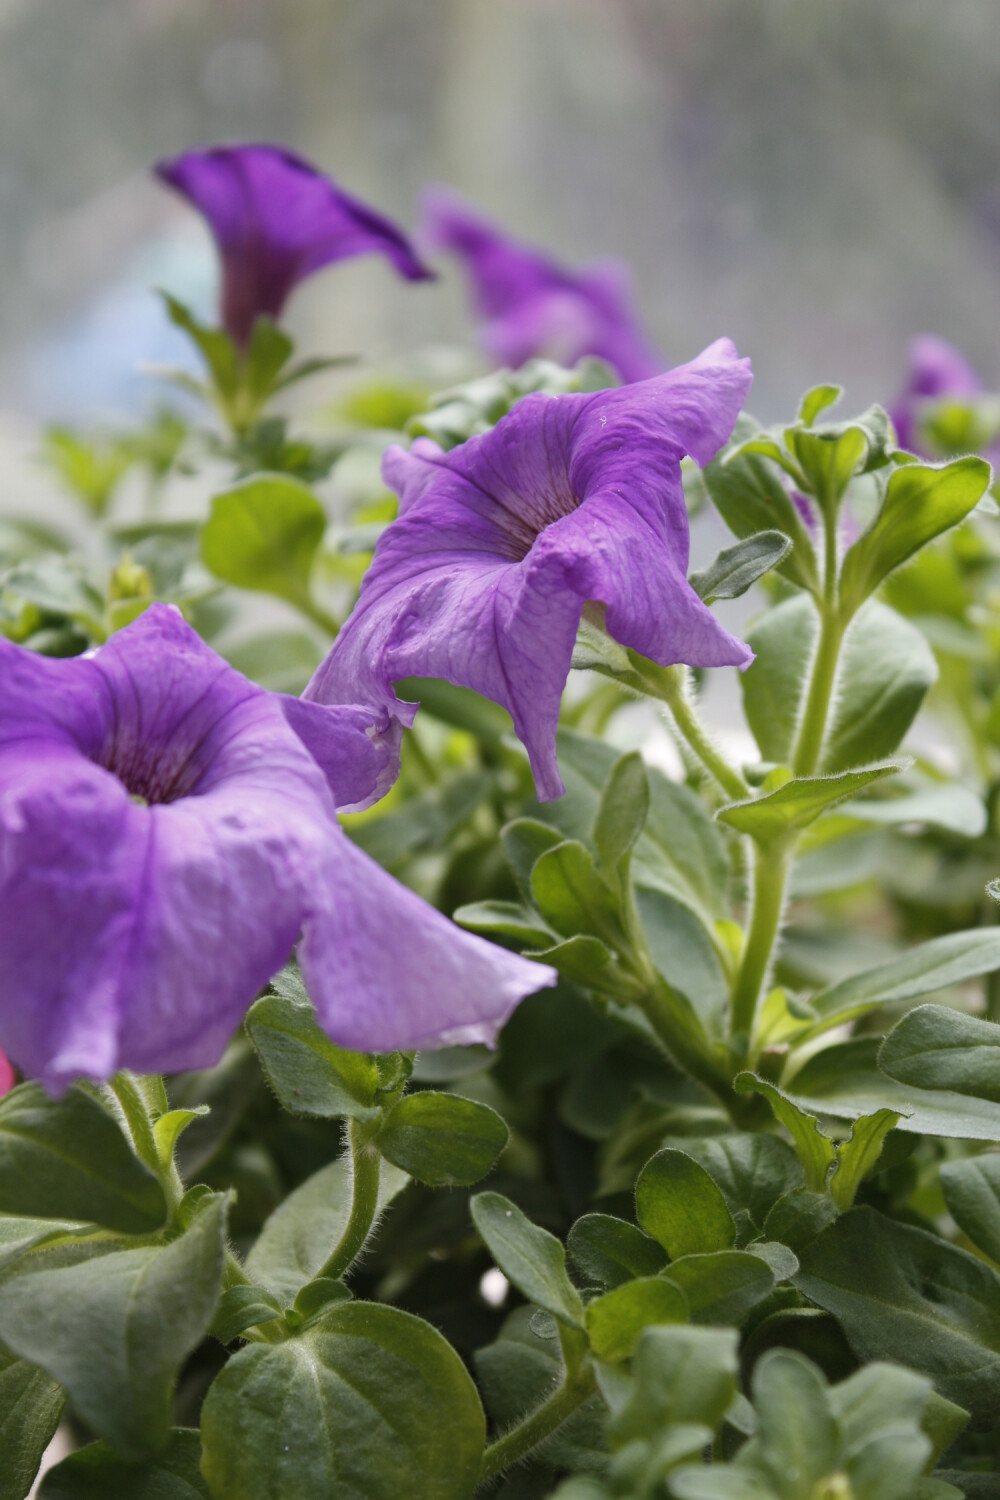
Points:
(817, 178)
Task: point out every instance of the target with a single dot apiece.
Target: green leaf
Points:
(57, 585)
(571, 895)
(886, 669)
(972, 1192)
(528, 1255)
(169, 1128)
(738, 568)
(774, 817)
(933, 1047)
(845, 1080)
(611, 1251)
(268, 351)
(829, 459)
(524, 842)
(214, 344)
(798, 1217)
(721, 1288)
(957, 809)
(815, 1150)
(315, 1299)
(681, 1374)
(69, 1159)
(19, 1234)
(31, 1404)
(263, 534)
(679, 1204)
(750, 498)
(816, 400)
(616, 1319)
(114, 1328)
(903, 1294)
(679, 851)
(622, 814)
(685, 953)
(921, 501)
(752, 1170)
(367, 1402)
(98, 1473)
(587, 962)
(300, 1235)
(857, 1156)
(504, 919)
(309, 1074)
(442, 1139)
(797, 1433)
(243, 1307)
(936, 965)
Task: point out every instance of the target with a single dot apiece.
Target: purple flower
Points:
(534, 306)
(168, 832)
(937, 370)
(501, 542)
(276, 220)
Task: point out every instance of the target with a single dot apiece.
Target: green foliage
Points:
(528, 1255)
(113, 1327)
(97, 1473)
(70, 1159)
(679, 1204)
(441, 1139)
(936, 1048)
(31, 1404)
(465, 410)
(972, 1192)
(360, 1403)
(738, 568)
(308, 1073)
(263, 534)
(772, 818)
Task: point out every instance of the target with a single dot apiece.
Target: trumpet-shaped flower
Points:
(168, 832)
(533, 306)
(500, 542)
(937, 370)
(276, 220)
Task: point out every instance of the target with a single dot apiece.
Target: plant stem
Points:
(812, 726)
(669, 685)
(132, 1094)
(770, 873)
(364, 1203)
(521, 1440)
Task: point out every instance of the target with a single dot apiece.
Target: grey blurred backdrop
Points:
(817, 178)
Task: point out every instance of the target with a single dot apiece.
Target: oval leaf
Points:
(442, 1139)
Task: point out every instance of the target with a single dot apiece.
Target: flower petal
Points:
(451, 989)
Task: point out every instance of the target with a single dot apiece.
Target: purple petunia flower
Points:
(168, 832)
(532, 305)
(937, 370)
(276, 220)
(501, 542)
(6, 1075)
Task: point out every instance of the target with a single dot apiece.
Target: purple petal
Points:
(501, 542)
(452, 989)
(530, 304)
(358, 757)
(276, 220)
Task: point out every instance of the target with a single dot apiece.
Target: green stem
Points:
(812, 727)
(515, 1445)
(770, 873)
(139, 1099)
(364, 1204)
(669, 685)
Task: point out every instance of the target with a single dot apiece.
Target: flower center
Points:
(525, 519)
(150, 773)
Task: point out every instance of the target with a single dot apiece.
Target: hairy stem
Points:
(812, 726)
(669, 685)
(770, 874)
(366, 1162)
(578, 1384)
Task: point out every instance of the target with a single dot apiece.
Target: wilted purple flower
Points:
(937, 370)
(501, 542)
(532, 305)
(167, 833)
(276, 220)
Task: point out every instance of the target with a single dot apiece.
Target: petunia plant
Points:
(460, 1038)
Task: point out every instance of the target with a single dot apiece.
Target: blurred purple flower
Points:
(6, 1075)
(532, 305)
(501, 542)
(937, 370)
(168, 831)
(276, 220)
